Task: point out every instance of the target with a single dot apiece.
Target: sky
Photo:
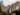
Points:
(1, 1)
(8, 2)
